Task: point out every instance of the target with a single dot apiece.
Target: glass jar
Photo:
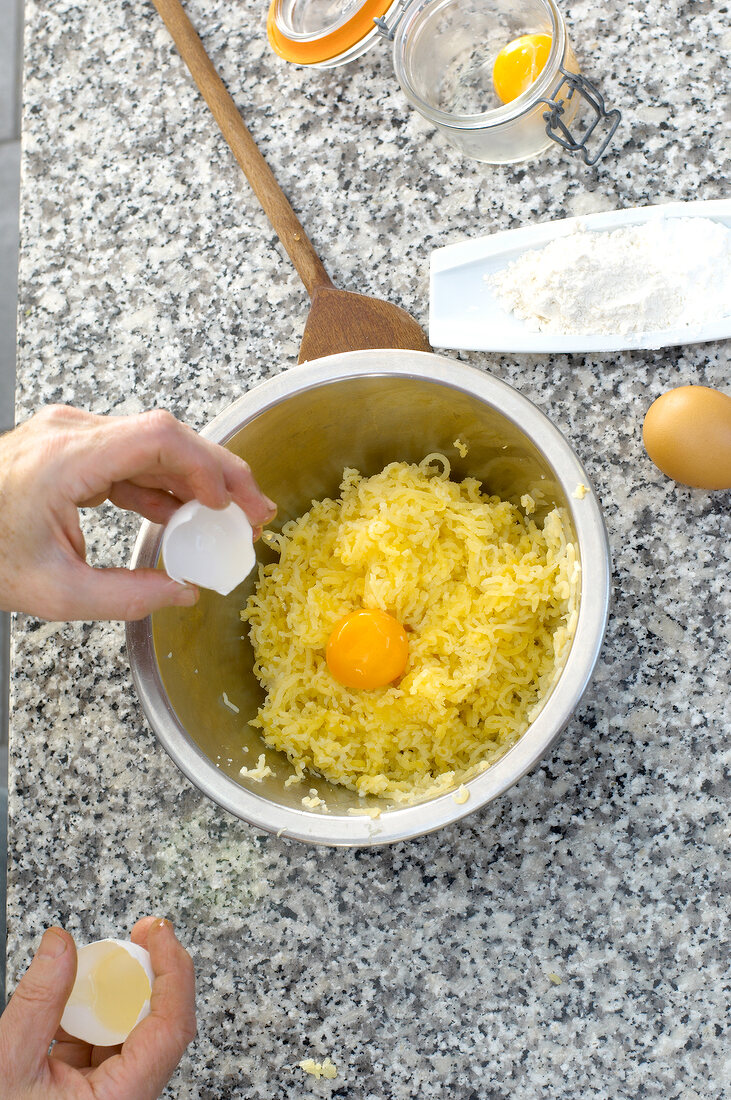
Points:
(444, 52)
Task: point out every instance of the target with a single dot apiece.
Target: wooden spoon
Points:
(338, 319)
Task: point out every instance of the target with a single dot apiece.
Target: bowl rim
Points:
(401, 822)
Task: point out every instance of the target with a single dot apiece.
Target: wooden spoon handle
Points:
(244, 148)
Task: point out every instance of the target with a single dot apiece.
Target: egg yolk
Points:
(367, 649)
(520, 63)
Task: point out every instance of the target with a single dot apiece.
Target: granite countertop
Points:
(570, 940)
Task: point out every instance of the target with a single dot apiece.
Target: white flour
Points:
(669, 272)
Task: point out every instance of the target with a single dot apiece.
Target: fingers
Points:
(73, 1052)
(32, 1016)
(173, 992)
(154, 504)
(138, 934)
(159, 505)
(100, 1055)
(126, 594)
(80, 1055)
(79, 592)
(172, 1005)
(133, 448)
(159, 439)
(63, 458)
(104, 457)
(156, 1045)
(245, 491)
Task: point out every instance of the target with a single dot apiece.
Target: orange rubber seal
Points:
(328, 45)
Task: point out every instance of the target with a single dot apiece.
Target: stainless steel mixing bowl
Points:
(298, 432)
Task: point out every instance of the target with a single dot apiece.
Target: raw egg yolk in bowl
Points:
(367, 649)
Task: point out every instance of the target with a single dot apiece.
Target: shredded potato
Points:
(488, 597)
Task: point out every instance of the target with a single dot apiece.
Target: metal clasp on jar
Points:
(559, 132)
(386, 25)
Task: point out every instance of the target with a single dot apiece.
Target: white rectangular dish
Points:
(465, 313)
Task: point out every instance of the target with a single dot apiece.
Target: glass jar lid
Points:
(310, 32)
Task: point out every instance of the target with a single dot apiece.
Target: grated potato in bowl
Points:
(489, 598)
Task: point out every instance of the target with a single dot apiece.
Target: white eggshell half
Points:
(79, 1019)
(209, 547)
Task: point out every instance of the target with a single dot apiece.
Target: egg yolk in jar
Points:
(520, 63)
(367, 649)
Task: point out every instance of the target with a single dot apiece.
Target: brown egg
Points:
(687, 434)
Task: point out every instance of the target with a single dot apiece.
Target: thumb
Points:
(122, 593)
(34, 1011)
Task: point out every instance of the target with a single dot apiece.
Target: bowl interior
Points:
(297, 449)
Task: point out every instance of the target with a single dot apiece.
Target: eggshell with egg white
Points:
(209, 547)
(79, 1019)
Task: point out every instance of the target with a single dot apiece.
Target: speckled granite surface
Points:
(569, 941)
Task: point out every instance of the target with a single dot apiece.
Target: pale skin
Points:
(74, 1070)
(63, 459)
(59, 461)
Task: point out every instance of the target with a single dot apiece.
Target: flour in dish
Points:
(667, 273)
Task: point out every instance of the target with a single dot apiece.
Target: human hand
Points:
(63, 459)
(138, 1070)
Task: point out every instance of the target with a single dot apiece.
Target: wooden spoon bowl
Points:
(340, 320)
